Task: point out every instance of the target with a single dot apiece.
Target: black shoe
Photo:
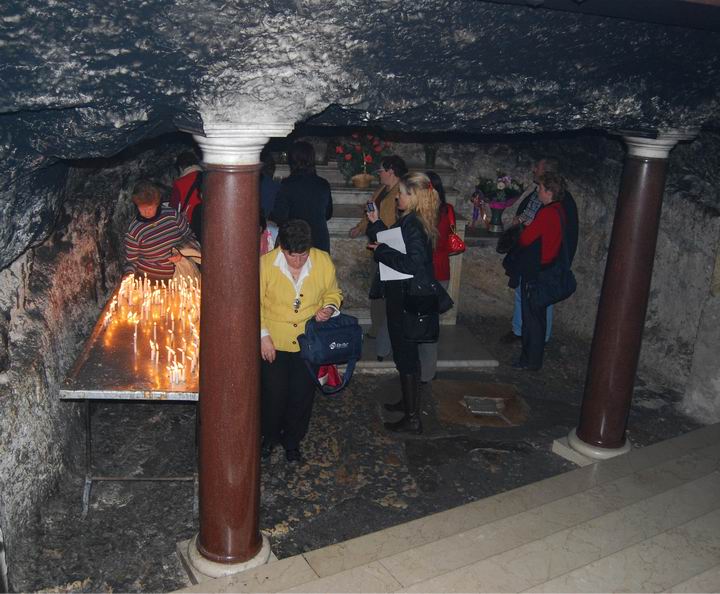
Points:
(395, 406)
(293, 456)
(509, 338)
(266, 449)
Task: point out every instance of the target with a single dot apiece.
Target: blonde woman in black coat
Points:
(418, 204)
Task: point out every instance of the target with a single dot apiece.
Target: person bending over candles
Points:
(297, 282)
(154, 236)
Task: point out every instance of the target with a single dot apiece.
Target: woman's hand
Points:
(372, 246)
(324, 314)
(355, 232)
(373, 215)
(267, 349)
(175, 257)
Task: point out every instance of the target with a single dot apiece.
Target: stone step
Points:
(343, 195)
(645, 521)
(331, 173)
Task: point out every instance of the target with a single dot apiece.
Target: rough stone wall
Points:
(50, 298)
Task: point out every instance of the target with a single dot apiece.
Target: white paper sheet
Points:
(392, 238)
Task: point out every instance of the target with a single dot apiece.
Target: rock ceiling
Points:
(82, 78)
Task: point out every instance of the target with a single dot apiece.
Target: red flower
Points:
(369, 136)
(356, 135)
(358, 148)
(377, 148)
(338, 150)
(348, 156)
(387, 144)
(368, 159)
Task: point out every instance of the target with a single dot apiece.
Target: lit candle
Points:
(155, 331)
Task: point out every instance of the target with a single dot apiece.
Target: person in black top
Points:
(418, 201)
(305, 195)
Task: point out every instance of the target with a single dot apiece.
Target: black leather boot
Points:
(410, 423)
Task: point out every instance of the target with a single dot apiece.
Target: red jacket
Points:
(547, 227)
(441, 254)
(180, 189)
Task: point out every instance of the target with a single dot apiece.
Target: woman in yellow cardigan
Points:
(297, 282)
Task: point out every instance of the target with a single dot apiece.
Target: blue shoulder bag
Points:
(339, 340)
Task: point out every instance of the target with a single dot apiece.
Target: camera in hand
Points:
(370, 206)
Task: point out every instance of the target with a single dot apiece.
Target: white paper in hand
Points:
(392, 238)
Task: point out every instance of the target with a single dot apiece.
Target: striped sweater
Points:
(149, 243)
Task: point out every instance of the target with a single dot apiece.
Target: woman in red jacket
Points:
(441, 269)
(547, 231)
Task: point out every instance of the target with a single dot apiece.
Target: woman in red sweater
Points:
(547, 230)
(441, 269)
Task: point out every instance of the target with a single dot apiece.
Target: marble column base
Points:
(200, 569)
(593, 452)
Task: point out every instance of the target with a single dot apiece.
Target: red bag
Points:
(455, 243)
(328, 375)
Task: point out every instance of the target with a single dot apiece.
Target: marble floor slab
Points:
(368, 578)
(531, 564)
(707, 581)
(423, 562)
(653, 565)
(421, 533)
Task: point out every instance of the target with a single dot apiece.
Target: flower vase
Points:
(362, 180)
(496, 224)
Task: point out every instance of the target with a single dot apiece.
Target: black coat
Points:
(418, 257)
(306, 196)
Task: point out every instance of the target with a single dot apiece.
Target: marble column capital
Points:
(658, 147)
(238, 144)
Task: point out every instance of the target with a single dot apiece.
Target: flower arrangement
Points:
(496, 194)
(361, 154)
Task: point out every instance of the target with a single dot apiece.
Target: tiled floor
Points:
(645, 522)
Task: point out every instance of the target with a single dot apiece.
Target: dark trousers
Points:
(288, 392)
(405, 352)
(534, 326)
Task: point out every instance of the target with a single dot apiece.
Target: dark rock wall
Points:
(50, 298)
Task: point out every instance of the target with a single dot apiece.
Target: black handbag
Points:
(557, 282)
(338, 340)
(423, 302)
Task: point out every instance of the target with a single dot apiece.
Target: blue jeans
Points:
(517, 317)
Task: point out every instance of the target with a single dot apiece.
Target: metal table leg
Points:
(88, 460)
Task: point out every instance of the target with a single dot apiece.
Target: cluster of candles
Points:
(174, 305)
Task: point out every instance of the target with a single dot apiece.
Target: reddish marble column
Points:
(229, 366)
(229, 431)
(623, 301)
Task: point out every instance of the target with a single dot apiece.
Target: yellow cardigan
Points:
(277, 293)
